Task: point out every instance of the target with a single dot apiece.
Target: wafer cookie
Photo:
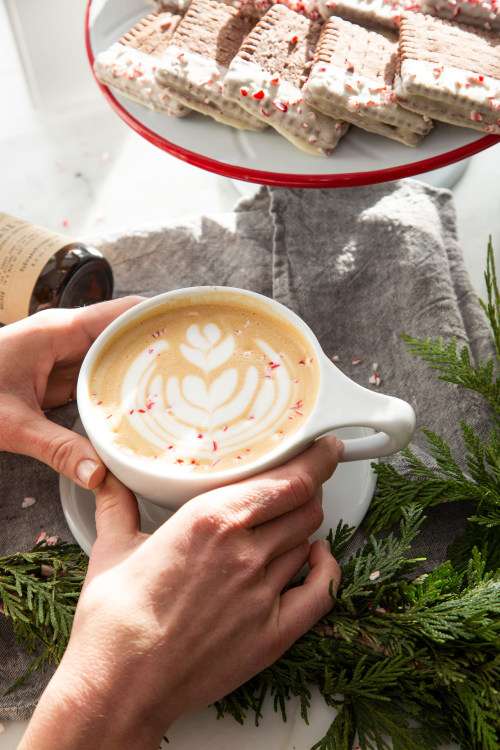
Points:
(352, 79)
(485, 13)
(373, 14)
(129, 65)
(195, 63)
(267, 75)
(449, 72)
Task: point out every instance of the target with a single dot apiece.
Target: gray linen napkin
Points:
(360, 265)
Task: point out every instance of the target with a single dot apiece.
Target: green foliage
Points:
(403, 663)
(39, 591)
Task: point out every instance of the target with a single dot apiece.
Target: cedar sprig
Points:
(39, 591)
(414, 667)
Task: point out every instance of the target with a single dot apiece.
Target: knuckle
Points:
(315, 513)
(58, 453)
(301, 486)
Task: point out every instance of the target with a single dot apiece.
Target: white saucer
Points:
(346, 497)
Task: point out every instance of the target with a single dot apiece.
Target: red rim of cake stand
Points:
(351, 179)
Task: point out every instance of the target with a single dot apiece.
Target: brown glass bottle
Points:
(40, 269)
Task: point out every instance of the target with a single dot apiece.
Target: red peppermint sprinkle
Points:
(99, 403)
(142, 411)
(280, 106)
(214, 446)
(266, 114)
(224, 429)
(476, 116)
(131, 411)
(200, 435)
(243, 92)
(259, 94)
(275, 80)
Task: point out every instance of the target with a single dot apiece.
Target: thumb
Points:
(64, 450)
(116, 512)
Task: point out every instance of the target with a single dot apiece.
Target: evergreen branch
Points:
(457, 368)
(39, 591)
(492, 306)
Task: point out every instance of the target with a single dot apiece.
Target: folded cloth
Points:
(360, 265)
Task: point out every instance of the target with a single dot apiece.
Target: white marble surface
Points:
(72, 165)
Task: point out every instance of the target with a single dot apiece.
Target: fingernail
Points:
(86, 470)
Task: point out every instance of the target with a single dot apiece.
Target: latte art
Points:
(204, 387)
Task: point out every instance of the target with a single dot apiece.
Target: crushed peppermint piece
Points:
(28, 501)
(335, 358)
(374, 366)
(356, 361)
(374, 379)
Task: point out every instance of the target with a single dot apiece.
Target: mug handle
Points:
(392, 418)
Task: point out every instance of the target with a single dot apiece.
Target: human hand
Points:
(40, 358)
(171, 622)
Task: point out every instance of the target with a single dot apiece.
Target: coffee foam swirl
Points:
(210, 393)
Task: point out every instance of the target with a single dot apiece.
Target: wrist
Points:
(84, 708)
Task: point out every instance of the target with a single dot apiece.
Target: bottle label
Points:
(25, 249)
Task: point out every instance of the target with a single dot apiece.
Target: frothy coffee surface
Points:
(206, 386)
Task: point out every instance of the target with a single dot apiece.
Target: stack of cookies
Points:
(449, 72)
(309, 68)
(352, 78)
(268, 73)
(129, 65)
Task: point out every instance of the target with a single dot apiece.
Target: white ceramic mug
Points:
(340, 402)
